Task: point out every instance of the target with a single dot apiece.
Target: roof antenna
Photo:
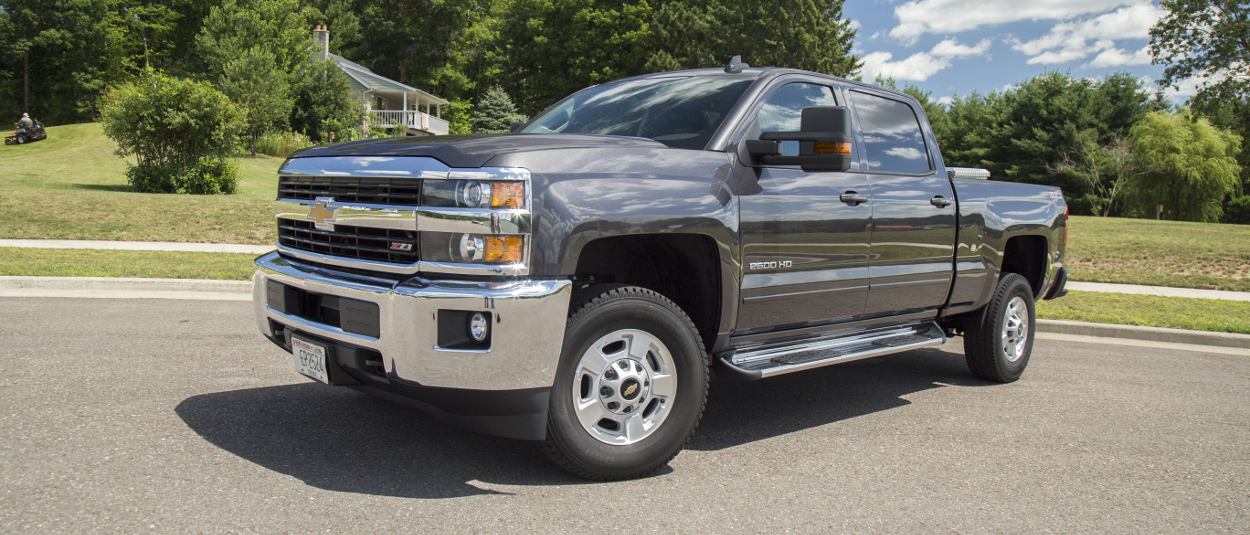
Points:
(735, 65)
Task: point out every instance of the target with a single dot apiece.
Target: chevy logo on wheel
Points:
(321, 214)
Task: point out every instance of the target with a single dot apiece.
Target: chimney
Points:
(321, 43)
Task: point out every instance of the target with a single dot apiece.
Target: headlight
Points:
(478, 249)
(473, 194)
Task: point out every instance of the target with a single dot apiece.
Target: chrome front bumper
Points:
(525, 345)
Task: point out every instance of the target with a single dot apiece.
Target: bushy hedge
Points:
(179, 132)
(283, 144)
(208, 176)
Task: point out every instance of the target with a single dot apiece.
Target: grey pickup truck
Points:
(577, 282)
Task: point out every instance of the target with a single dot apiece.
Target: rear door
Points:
(804, 251)
(913, 227)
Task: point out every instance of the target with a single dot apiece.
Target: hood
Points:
(473, 150)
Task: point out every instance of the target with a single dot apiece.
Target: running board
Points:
(758, 363)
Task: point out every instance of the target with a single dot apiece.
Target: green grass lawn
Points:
(1150, 311)
(144, 264)
(1159, 253)
(72, 186)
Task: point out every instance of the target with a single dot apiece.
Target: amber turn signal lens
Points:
(504, 249)
(832, 147)
(508, 195)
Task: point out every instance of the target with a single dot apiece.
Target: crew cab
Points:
(578, 281)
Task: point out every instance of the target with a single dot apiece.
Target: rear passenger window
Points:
(783, 109)
(891, 134)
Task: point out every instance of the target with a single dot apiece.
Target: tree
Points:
(800, 34)
(551, 48)
(177, 129)
(325, 104)
(1107, 170)
(495, 113)
(256, 84)
(277, 26)
(1190, 166)
(1204, 39)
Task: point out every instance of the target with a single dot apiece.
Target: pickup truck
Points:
(578, 281)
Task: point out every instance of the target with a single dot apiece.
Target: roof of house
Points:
(374, 82)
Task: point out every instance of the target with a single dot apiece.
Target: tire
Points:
(631, 359)
(21, 140)
(994, 346)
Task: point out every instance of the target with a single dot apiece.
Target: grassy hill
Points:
(73, 186)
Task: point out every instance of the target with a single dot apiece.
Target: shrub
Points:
(178, 130)
(1237, 210)
(283, 144)
(208, 176)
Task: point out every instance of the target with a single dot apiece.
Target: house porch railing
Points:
(409, 119)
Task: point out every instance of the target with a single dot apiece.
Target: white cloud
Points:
(951, 48)
(919, 17)
(946, 100)
(920, 66)
(854, 24)
(1115, 57)
(1070, 41)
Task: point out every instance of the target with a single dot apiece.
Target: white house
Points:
(389, 103)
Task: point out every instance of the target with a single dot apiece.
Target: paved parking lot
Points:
(177, 416)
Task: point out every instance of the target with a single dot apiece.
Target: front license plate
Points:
(310, 359)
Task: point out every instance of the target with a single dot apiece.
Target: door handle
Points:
(940, 201)
(853, 198)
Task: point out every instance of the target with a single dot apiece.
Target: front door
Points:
(804, 250)
(913, 230)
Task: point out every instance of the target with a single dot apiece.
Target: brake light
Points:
(1065, 225)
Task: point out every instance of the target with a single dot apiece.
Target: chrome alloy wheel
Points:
(623, 387)
(1015, 329)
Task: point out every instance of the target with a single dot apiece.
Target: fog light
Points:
(479, 327)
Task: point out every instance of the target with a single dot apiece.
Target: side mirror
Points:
(824, 138)
(516, 126)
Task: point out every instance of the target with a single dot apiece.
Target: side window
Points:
(891, 134)
(784, 108)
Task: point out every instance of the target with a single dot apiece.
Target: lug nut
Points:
(610, 374)
(629, 408)
(638, 367)
(605, 391)
(613, 405)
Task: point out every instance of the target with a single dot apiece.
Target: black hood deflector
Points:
(473, 150)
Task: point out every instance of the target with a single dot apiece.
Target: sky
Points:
(956, 47)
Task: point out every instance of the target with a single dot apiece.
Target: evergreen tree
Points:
(799, 34)
(495, 113)
(324, 103)
(256, 84)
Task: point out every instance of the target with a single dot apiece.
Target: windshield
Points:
(679, 112)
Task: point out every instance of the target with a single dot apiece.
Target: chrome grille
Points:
(362, 243)
(393, 191)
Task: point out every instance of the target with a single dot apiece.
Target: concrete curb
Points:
(123, 288)
(1162, 291)
(1152, 334)
(139, 246)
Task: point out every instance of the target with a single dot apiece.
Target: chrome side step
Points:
(768, 361)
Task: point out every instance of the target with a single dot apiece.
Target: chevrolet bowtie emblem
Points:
(321, 215)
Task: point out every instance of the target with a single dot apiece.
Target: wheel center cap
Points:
(624, 386)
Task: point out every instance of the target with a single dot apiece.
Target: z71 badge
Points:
(781, 264)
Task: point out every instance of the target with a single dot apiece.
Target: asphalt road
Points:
(177, 416)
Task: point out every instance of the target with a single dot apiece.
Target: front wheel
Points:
(998, 346)
(21, 140)
(631, 385)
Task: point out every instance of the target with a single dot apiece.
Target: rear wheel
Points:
(631, 386)
(21, 139)
(998, 346)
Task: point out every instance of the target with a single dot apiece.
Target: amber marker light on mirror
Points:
(508, 195)
(832, 147)
(504, 249)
